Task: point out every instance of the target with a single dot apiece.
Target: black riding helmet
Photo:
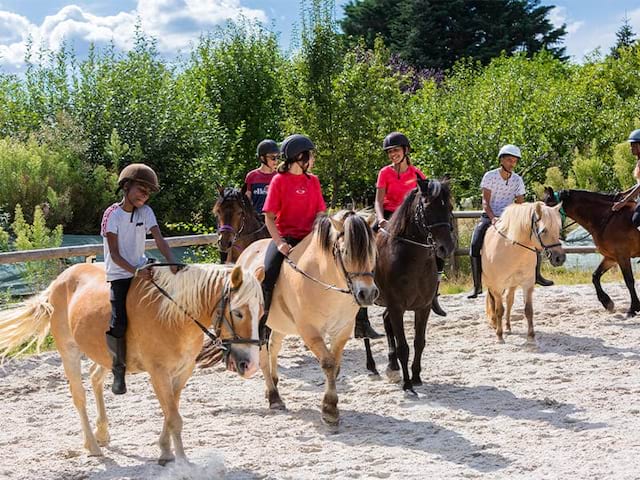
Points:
(294, 145)
(395, 139)
(266, 147)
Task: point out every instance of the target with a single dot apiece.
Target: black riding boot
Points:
(435, 305)
(476, 273)
(363, 328)
(540, 280)
(263, 330)
(118, 349)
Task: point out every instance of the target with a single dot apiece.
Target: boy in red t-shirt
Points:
(257, 181)
(294, 200)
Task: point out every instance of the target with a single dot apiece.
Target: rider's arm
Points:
(114, 251)
(270, 221)
(164, 247)
(629, 196)
(380, 193)
(486, 204)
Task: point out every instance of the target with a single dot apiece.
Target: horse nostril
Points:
(243, 365)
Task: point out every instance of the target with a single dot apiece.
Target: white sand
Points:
(569, 409)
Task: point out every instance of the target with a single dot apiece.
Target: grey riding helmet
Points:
(634, 137)
(294, 145)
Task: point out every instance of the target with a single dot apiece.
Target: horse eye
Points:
(237, 314)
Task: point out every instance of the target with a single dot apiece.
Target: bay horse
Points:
(509, 256)
(617, 240)
(162, 339)
(324, 281)
(238, 222)
(406, 272)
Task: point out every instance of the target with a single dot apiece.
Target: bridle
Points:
(223, 305)
(227, 228)
(546, 248)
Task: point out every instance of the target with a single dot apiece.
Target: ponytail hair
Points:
(301, 157)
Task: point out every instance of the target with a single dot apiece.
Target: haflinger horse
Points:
(163, 338)
(322, 284)
(509, 256)
(238, 222)
(618, 241)
(406, 272)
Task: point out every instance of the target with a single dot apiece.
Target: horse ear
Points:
(337, 224)
(371, 219)
(259, 273)
(558, 206)
(236, 277)
(220, 189)
(539, 209)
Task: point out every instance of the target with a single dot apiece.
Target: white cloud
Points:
(174, 23)
(558, 17)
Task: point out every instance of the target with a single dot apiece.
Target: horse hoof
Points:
(631, 314)
(416, 381)
(610, 306)
(500, 340)
(393, 375)
(163, 461)
(374, 374)
(331, 418)
(277, 406)
(410, 393)
(95, 452)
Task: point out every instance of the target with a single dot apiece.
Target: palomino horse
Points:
(618, 241)
(509, 256)
(162, 338)
(406, 272)
(238, 223)
(328, 276)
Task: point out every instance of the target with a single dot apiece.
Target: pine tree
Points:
(625, 37)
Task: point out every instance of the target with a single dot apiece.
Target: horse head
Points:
(551, 198)
(354, 248)
(433, 215)
(547, 225)
(239, 314)
(230, 211)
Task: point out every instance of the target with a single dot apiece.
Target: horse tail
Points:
(27, 323)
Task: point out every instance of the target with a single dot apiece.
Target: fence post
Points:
(453, 259)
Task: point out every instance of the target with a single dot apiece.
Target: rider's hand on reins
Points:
(284, 248)
(144, 273)
(383, 223)
(617, 206)
(174, 269)
(494, 220)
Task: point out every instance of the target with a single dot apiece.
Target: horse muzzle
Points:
(243, 360)
(556, 258)
(365, 295)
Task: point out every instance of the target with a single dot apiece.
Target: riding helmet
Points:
(266, 147)
(395, 139)
(634, 136)
(141, 173)
(510, 150)
(295, 144)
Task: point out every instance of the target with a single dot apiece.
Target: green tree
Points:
(437, 33)
(625, 37)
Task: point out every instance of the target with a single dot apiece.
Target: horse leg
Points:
(510, 297)
(371, 363)
(528, 312)
(604, 266)
(97, 374)
(72, 368)
(627, 273)
(499, 312)
(421, 318)
(402, 348)
(270, 370)
(313, 339)
(393, 365)
(491, 309)
(172, 427)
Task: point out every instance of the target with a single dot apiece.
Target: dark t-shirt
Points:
(258, 184)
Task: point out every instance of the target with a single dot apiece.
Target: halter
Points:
(534, 230)
(420, 219)
(349, 276)
(224, 304)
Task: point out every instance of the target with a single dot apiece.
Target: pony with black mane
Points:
(613, 233)
(239, 224)
(406, 273)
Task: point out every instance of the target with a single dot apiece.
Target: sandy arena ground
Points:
(567, 409)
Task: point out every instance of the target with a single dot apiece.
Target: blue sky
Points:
(178, 23)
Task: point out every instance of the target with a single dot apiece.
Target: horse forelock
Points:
(551, 220)
(359, 241)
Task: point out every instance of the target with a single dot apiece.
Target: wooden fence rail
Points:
(192, 240)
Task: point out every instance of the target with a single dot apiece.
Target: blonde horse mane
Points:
(190, 288)
(516, 221)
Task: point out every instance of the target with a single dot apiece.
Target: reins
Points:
(225, 299)
(534, 230)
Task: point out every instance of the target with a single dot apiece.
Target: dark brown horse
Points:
(406, 272)
(618, 241)
(239, 225)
